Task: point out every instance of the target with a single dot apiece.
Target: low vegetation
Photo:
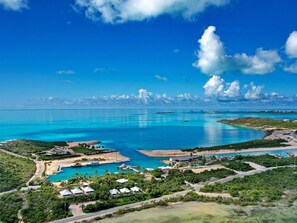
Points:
(260, 122)
(207, 175)
(238, 166)
(44, 206)
(27, 147)
(269, 160)
(237, 163)
(156, 187)
(14, 171)
(262, 188)
(9, 206)
(258, 143)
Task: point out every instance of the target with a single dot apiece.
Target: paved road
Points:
(11, 153)
(39, 170)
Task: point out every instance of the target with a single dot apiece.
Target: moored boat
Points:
(77, 165)
(93, 163)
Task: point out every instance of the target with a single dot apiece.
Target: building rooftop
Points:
(65, 193)
(114, 192)
(88, 189)
(183, 158)
(122, 181)
(76, 191)
(135, 189)
(124, 190)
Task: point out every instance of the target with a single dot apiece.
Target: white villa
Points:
(124, 190)
(30, 188)
(114, 192)
(85, 184)
(122, 181)
(65, 193)
(88, 190)
(135, 189)
(77, 192)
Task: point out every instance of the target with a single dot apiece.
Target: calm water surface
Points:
(127, 130)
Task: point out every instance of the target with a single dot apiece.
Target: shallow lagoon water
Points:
(127, 130)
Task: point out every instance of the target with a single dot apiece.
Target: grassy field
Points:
(81, 149)
(259, 122)
(14, 171)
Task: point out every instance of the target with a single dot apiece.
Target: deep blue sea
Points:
(127, 130)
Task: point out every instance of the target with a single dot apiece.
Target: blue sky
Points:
(98, 52)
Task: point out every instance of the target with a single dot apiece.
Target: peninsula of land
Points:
(279, 135)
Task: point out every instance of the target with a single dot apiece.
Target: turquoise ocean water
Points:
(127, 130)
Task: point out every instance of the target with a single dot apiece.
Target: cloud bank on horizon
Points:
(253, 97)
(115, 11)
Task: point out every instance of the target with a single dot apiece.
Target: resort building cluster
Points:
(85, 189)
(59, 150)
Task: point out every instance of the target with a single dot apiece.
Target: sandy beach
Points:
(52, 167)
(177, 152)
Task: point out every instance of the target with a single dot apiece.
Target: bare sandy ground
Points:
(177, 152)
(52, 167)
(204, 168)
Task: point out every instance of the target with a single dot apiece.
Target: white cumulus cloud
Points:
(120, 11)
(212, 58)
(14, 5)
(144, 95)
(214, 86)
(291, 68)
(217, 87)
(233, 90)
(255, 92)
(291, 45)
